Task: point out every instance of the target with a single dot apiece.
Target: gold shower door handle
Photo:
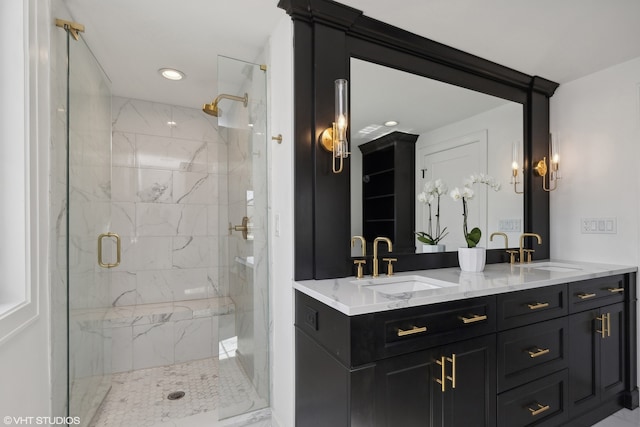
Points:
(244, 227)
(118, 250)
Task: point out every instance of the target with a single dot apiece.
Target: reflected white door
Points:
(453, 161)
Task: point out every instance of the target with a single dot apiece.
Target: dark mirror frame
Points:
(326, 36)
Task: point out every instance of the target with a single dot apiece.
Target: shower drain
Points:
(175, 395)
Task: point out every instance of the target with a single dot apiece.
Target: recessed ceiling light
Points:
(171, 73)
(391, 123)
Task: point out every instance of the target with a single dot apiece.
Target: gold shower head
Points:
(212, 108)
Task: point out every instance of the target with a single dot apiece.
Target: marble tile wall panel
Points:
(153, 345)
(169, 205)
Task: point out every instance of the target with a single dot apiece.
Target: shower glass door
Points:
(244, 333)
(88, 217)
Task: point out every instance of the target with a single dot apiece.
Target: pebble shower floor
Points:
(139, 398)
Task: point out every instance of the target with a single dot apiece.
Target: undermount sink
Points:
(552, 266)
(401, 284)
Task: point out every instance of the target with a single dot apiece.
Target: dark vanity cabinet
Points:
(560, 355)
(388, 187)
(597, 328)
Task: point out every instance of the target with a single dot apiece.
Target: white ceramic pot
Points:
(472, 259)
(433, 248)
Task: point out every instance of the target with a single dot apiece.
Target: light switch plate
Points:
(598, 226)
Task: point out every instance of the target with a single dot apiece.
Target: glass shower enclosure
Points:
(244, 337)
(90, 250)
(237, 248)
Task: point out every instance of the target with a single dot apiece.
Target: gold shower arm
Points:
(244, 99)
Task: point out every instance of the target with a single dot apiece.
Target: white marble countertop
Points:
(352, 296)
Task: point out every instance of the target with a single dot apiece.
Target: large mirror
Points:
(452, 133)
(328, 36)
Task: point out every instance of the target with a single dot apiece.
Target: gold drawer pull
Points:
(538, 352)
(615, 290)
(586, 296)
(538, 305)
(539, 410)
(606, 325)
(414, 330)
(443, 374)
(452, 378)
(474, 318)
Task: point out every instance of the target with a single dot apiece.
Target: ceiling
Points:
(560, 40)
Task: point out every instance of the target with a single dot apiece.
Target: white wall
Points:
(24, 357)
(597, 121)
(280, 76)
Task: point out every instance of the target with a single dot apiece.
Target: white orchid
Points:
(431, 192)
(466, 194)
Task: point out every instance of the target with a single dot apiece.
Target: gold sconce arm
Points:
(541, 169)
(514, 180)
(338, 153)
(553, 170)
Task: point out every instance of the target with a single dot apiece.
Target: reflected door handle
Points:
(244, 227)
(118, 250)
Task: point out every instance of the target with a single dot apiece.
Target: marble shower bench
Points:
(159, 334)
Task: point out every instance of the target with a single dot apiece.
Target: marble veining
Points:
(353, 297)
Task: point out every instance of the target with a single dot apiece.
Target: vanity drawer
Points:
(531, 352)
(540, 403)
(411, 329)
(531, 306)
(595, 293)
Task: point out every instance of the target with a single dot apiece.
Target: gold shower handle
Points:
(118, 250)
(244, 227)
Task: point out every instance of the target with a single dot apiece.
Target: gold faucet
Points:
(506, 238)
(527, 251)
(512, 252)
(363, 243)
(375, 252)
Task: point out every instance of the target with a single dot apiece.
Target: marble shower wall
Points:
(168, 193)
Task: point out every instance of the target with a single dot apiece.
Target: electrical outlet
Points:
(311, 317)
(598, 226)
(510, 225)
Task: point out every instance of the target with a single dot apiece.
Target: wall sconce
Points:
(334, 139)
(515, 157)
(554, 173)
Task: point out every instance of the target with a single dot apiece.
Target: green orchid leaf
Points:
(473, 238)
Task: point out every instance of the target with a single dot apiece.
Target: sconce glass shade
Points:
(342, 117)
(555, 157)
(515, 166)
(334, 139)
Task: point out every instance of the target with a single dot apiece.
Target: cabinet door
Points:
(406, 390)
(584, 361)
(472, 403)
(596, 362)
(612, 366)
